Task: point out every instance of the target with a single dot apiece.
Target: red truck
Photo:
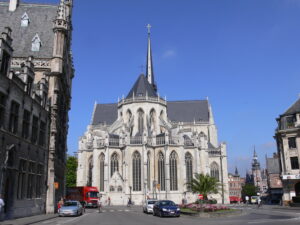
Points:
(88, 196)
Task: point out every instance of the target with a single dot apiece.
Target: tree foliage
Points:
(71, 173)
(249, 190)
(205, 185)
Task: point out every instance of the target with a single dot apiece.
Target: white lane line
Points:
(127, 210)
(111, 210)
(103, 210)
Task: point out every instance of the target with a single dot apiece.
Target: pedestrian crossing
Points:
(115, 210)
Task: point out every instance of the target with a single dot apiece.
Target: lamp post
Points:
(130, 192)
(222, 178)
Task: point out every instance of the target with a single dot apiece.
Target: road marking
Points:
(111, 210)
(126, 210)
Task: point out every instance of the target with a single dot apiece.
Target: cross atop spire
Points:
(149, 28)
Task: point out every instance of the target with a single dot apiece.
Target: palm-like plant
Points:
(204, 184)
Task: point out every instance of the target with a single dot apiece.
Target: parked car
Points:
(71, 208)
(166, 208)
(148, 205)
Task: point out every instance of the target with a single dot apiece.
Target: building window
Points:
(292, 142)
(173, 171)
(294, 163)
(136, 171)
(102, 160)
(36, 43)
(21, 179)
(148, 172)
(4, 63)
(31, 180)
(34, 129)
(120, 189)
(90, 172)
(111, 188)
(140, 121)
(14, 117)
(42, 135)
(114, 163)
(26, 124)
(25, 20)
(290, 121)
(161, 171)
(39, 182)
(189, 170)
(214, 171)
(2, 109)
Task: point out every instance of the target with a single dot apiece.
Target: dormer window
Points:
(25, 20)
(36, 43)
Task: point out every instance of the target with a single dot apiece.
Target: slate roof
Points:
(141, 87)
(105, 113)
(295, 108)
(178, 111)
(41, 22)
(273, 165)
(188, 111)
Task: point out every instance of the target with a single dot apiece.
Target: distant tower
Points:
(236, 172)
(256, 172)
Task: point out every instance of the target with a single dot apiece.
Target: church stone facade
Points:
(144, 146)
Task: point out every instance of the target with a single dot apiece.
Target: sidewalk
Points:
(29, 220)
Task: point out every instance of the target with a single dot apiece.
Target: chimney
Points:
(13, 4)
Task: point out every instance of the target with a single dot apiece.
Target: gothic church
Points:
(146, 147)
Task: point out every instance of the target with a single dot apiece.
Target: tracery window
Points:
(90, 172)
(214, 170)
(102, 158)
(152, 120)
(140, 121)
(161, 171)
(148, 172)
(173, 171)
(114, 163)
(136, 171)
(189, 169)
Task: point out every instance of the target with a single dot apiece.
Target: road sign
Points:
(158, 186)
(200, 197)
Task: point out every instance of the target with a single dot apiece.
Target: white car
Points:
(148, 206)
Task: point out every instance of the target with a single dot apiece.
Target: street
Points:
(115, 215)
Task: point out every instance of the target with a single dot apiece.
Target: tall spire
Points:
(149, 66)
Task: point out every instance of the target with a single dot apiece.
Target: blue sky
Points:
(244, 55)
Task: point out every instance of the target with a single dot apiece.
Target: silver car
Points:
(148, 206)
(71, 208)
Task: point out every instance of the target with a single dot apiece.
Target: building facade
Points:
(235, 183)
(259, 176)
(288, 146)
(274, 179)
(146, 147)
(42, 33)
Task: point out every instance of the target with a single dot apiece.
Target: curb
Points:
(215, 214)
(20, 221)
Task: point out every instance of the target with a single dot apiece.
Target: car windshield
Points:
(167, 203)
(151, 202)
(70, 204)
(93, 194)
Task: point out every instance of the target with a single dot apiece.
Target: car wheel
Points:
(178, 215)
(153, 213)
(160, 214)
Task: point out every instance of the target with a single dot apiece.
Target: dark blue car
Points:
(166, 208)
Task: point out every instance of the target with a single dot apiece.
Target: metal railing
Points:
(138, 140)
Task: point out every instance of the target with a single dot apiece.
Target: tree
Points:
(249, 190)
(205, 185)
(71, 171)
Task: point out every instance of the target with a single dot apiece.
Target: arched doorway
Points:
(297, 189)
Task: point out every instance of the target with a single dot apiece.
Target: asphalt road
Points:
(119, 215)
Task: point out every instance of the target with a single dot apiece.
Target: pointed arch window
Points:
(161, 171)
(36, 43)
(25, 20)
(90, 172)
(140, 121)
(214, 171)
(189, 169)
(136, 171)
(148, 171)
(102, 159)
(114, 163)
(173, 171)
(152, 120)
